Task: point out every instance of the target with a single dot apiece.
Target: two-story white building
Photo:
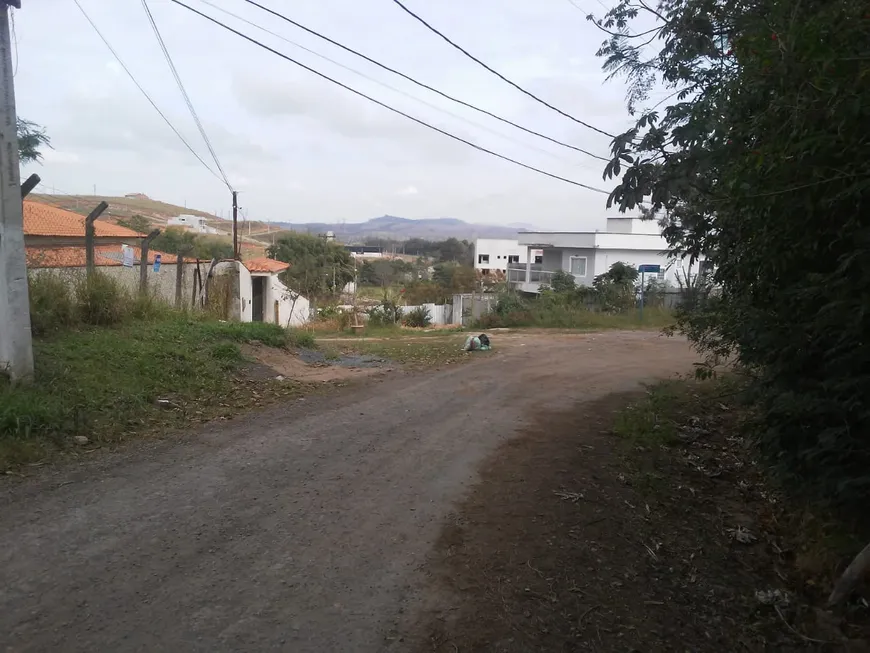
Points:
(497, 254)
(588, 254)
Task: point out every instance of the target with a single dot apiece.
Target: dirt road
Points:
(301, 528)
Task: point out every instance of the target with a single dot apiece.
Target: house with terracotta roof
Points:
(270, 299)
(54, 243)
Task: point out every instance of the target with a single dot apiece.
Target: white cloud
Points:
(303, 149)
(58, 156)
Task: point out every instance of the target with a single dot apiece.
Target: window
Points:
(578, 266)
(482, 258)
(514, 258)
(539, 260)
(661, 274)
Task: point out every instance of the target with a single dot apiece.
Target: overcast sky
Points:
(301, 149)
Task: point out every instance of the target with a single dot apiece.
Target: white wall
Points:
(440, 313)
(632, 226)
(498, 250)
(293, 308)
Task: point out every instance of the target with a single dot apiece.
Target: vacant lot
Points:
(304, 527)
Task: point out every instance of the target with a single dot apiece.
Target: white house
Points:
(587, 254)
(264, 298)
(195, 223)
(493, 254)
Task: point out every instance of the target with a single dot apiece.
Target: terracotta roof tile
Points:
(263, 264)
(104, 255)
(46, 220)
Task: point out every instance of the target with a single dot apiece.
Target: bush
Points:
(386, 313)
(52, 307)
(418, 317)
(101, 300)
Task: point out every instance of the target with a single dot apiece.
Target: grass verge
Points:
(107, 383)
(688, 435)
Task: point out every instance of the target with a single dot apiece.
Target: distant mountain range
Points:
(395, 228)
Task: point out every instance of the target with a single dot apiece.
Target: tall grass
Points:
(60, 302)
(573, 316)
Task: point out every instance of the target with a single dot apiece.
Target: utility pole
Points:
(16, 345)
(236, 226)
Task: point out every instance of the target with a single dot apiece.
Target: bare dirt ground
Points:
(305, 527)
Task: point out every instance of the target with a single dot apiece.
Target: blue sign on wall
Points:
(157, 262)
(649, 268)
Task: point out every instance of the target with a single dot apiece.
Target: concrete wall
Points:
(161, 284)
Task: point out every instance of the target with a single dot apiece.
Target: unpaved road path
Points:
(300, 528)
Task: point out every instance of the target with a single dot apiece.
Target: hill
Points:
(396, 228)
(387, 226)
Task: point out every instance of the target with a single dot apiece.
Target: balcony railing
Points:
(535, 275)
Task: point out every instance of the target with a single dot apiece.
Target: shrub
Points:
(52, 305)
(101, 300)
(386, 313)
(418, 317)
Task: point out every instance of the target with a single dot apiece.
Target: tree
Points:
(563, 282)
(137, 223)
(212, 247)
(317, 267)
(620, 273)
(31, 139)
(760, 165)
(174, 240)
(384, 272)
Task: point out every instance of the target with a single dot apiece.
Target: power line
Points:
(418, 83)
(386, 106)
(392, 88)
(181, 88)
(144, 92)
(498, 74)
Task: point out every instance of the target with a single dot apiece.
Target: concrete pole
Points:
(529, 264)
(16, 346)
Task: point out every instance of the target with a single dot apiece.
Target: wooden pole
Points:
(143, 260)
(277, 314)
(29, 185)
(89, 235)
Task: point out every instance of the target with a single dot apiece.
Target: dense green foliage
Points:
(762, 165)
(418, 317)
(137, 223)
(175, 240)
(317, 267)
